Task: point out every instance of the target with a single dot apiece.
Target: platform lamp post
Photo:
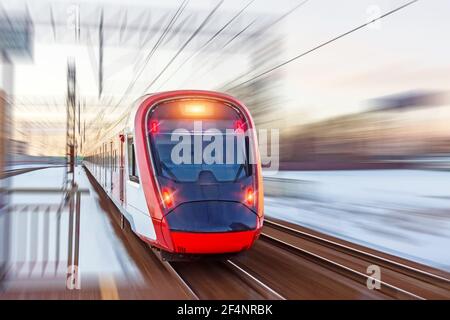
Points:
(71, 125)
(4, 217)
(16, 40)
(6, 89)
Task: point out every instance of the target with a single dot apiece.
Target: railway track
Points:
(222, 279)
(286, 264)
(398, 280)
(233, 279)
(180, 279)
(255, 279)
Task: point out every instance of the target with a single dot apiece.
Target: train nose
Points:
(211, 216)
(212, 227)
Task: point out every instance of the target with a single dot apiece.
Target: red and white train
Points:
(190, 208)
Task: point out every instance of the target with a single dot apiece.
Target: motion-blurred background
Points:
(363, 110)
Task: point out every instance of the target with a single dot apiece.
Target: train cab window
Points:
(230, 165)
(132, 164)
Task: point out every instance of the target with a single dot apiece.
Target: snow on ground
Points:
(28, 165)
(403, 212)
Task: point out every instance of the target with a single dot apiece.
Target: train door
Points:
(108, 167)
(121, 168)
(100, 165)
(111, 167)
(105, 173)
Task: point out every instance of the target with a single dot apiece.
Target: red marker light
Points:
(154, 127)
(239, 126)
(167, 198)
(250, 197)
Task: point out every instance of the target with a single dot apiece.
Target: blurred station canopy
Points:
(16, 35)
(125, 25)
(409, 100)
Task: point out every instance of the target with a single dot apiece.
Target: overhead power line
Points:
(155, 48)
(322, 45)
(205, 21)
(261, 31)
(208, 42)
(166, 30)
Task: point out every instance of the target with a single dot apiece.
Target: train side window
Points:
(132, 165)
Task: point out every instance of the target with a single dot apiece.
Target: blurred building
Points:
(18, 147)
(362, 138)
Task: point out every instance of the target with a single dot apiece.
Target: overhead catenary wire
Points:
(207, 43)
(238, 34)
(265, 28)
(155, 47)
(260, 31)
(323, 44)
(124, 114)
(194, 34)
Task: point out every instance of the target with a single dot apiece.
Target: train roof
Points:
(126, 122)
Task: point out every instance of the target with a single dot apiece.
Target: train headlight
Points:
(197, 110)
(167, 197)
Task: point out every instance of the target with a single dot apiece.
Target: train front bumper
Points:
(213, 243)
(212, 227)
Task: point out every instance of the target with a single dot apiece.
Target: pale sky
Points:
(408, 50)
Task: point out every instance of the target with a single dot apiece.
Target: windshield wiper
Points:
(241, 166)
(167, 169)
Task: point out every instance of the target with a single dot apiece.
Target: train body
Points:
(183, 168)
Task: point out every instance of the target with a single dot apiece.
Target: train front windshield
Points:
(192, 140)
